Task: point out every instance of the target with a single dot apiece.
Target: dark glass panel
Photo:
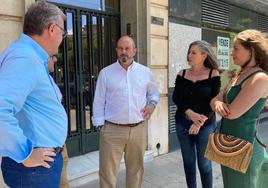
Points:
(112, 5)
(86, 71)
(59, 75)
(186, 9)
(115, 33)
(85, 45)
(96, 45)
(106, 41)
(240, 19)
(72, 70)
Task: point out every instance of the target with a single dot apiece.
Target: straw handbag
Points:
(229, 151)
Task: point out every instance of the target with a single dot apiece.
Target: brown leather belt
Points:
(125, 125)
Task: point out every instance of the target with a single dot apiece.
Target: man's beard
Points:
(123, 59)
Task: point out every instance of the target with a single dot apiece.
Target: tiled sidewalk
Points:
(165, 171)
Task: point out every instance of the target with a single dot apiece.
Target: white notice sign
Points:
(223, 52)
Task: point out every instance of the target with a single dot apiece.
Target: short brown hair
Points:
(39, 16)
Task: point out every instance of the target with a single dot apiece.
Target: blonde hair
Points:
(256, 41)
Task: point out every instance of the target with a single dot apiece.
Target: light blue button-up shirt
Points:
(31, 114)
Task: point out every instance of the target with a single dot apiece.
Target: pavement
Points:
(166, 171)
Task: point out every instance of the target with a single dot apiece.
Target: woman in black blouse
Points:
(194, 88)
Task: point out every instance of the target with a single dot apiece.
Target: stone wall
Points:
(158, 54)
(180, 36)
(11, 16)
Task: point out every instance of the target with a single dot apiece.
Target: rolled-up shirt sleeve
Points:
(153, 91)
(99, 100)
(17, 80)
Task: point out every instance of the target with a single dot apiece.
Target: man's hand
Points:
(147, 111)
(40, 157)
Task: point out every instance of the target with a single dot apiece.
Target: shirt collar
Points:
(39, 50)
(132, 66)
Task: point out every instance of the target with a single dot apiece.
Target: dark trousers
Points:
(16, 175)
(193, 148)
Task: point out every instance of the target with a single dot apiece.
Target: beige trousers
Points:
(64, 180)
(114, 140)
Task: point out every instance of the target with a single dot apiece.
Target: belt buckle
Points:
(58, 150)
(135, 124)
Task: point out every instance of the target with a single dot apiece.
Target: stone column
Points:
(158, 54)
(11, 13)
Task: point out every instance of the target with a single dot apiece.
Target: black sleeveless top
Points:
(196, 95)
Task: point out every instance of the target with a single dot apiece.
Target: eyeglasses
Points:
(65, 33)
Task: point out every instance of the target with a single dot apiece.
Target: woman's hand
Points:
(221, 108)
(194, 129)
(198, 119)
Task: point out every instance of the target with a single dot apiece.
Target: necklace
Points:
(242, 73)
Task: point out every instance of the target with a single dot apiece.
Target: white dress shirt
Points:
(121, 94)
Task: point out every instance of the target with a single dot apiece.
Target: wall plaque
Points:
(157, 20)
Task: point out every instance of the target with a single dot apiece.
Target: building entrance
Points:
(89, 46)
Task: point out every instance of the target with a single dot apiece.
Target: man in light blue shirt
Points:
(33, 123)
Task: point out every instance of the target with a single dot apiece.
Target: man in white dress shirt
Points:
(125, 96)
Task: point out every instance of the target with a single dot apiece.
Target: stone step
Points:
(84, 169)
